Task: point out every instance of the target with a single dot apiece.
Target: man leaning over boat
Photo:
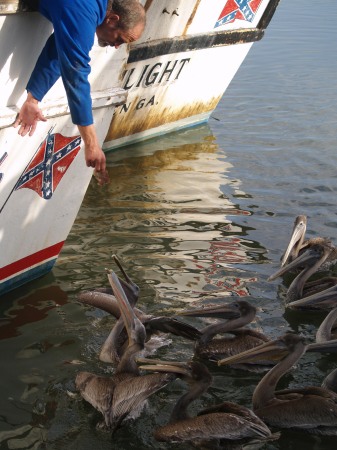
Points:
(66, 54)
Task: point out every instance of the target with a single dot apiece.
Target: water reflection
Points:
(166, 211)
(20, 311)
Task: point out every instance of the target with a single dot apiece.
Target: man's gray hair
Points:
(130, 12)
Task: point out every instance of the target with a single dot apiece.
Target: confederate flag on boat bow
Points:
(50, 163)
(238, 9)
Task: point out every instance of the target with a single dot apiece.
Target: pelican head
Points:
(316, 254)
(135, 329)
(296, 239)
(270, 351)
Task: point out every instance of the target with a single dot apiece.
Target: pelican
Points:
(298, 244)
(124, 393)
(115, 344)
(239, 314)
(311, 409)
(219, 424)
(309, 261)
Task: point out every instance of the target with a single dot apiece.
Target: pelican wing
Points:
(131, 393)
(173, 326)
(233, 408)
(294, 394)
(211, 426)
(96, 390)
(250, 332)
(305, 412)
(236, 342)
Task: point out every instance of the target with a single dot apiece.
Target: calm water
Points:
(205, 210)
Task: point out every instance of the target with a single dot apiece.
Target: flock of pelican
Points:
(311, 409)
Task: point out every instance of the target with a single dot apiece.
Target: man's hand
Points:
(94, 155)
(29, 115)
(102, 178)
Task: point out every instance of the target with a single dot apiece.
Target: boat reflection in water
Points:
(168, 209)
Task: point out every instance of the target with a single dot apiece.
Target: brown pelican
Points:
(298, 245)
(219, 424)
(115, 344)
(124, 393)
(309, 261)
(311, 409)
(239, 339)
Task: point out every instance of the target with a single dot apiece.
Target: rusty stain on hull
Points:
(190, 20)
(125, 123)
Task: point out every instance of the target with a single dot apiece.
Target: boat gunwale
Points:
(199, 41)
(115, 96)
(185, 43)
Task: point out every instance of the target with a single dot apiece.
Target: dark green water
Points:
(206, 210)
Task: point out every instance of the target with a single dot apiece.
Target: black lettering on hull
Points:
(155, 74)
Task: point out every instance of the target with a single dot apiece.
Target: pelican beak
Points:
(309, 257)
(326, 299)
(131, 321)
(157, 365)
(130, 288)
(228, 311)
(271, 351)
(323, 347)
(297, 234)
(105, 302)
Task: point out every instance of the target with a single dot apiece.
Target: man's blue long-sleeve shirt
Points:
(66, 53)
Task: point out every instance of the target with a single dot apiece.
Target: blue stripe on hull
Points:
(25, 277)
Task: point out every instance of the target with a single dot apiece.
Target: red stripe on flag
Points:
(31, 260)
